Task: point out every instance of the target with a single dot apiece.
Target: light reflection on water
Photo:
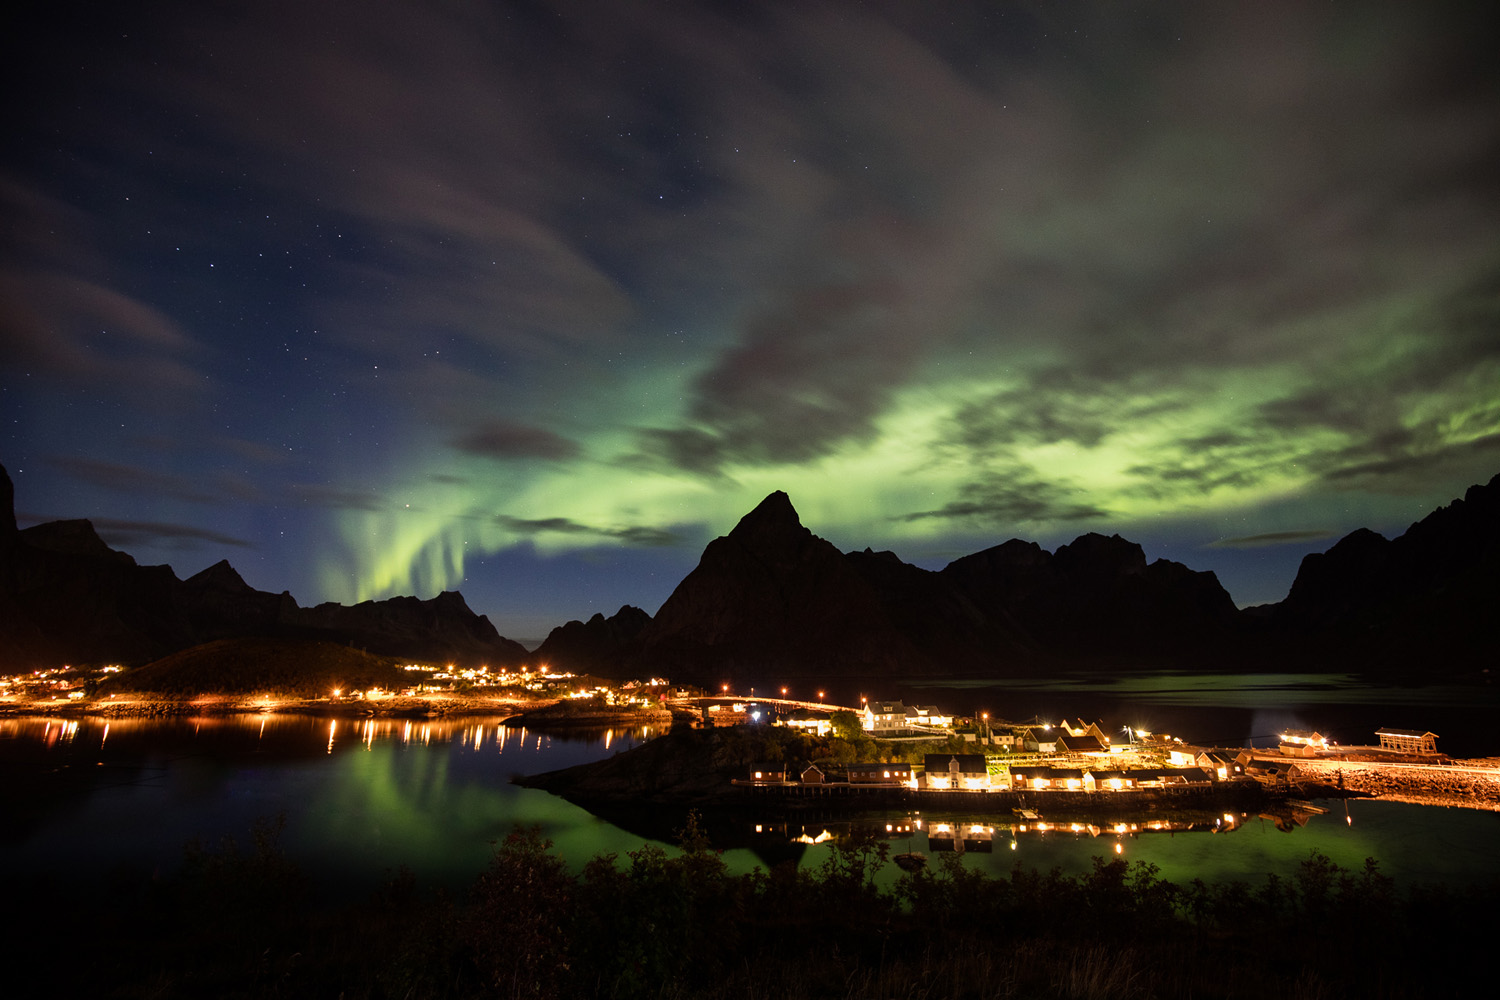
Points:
(1413, 844)
(364, 797)
(360, 797)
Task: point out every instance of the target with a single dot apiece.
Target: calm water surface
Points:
(89, 798)
(359, 799)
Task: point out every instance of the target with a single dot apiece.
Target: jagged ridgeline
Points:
(771, 599)
(66, 596)
(772, 602)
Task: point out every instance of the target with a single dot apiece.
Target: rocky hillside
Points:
(1426, 597)
(684, 765)
(247, 666)
(592, 646)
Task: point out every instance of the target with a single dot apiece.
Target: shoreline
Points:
(536, 713)
(1445, 783)
(563, 715)
(1414, 789)
(1468, 784)
(160, 707)
(712, 768)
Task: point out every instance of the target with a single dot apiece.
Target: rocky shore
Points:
(1469, 784)
(588, 714)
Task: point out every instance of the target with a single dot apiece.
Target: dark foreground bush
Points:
(679, 924)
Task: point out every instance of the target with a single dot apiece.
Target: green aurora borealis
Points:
(534, 302)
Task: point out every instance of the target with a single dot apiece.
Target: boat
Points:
(911, 861)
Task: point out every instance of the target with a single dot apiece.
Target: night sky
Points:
(532, 300)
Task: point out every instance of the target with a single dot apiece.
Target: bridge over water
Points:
(780, 704)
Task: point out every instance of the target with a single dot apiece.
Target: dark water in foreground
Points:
(88, 799)
(358, 798)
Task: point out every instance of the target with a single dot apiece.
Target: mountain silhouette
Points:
(1424, 600)
(67, 597)
(771, 601)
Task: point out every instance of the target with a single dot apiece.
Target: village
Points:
(916, 748)
(994, 755)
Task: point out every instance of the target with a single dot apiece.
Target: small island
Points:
(784, 768)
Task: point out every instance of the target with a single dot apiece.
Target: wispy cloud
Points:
(1013, 500)
(637, 535)
(337, 497)
(123, 534)
(1273, 538)
(133, 534)
(502, 441)
(124, 478)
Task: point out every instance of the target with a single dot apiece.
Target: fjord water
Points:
(1211, 709)
(356, 800)
(90, 799)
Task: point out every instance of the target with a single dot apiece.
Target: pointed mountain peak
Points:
(220, 575)
(451, 599)
(1361, 540)
(773, 515)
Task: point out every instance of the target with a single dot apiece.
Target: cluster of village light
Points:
(1031, 752)
(68, 682)
(65, 682)
(543, 680)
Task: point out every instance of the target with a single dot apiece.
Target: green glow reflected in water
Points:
(359, 798)
(362, 799)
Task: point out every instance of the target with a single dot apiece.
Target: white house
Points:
(955, 771)
(884, 717)
(929, 716)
